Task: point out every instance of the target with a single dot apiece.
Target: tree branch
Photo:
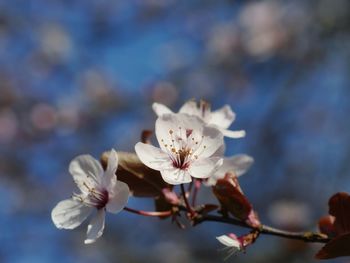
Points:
(267, 230)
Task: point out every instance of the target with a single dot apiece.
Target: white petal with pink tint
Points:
(160, 109)
(172, 130)
(153, 157)
(109, 178)
(229, 242)
(239, 164)
(205, 168)
(222, 117)
(176, 176)
(69, 214)
(85, 168)
(118, 197)
(211, 143)
(233, 134)
(96, 227)
(190, 108)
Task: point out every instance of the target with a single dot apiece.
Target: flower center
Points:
(182, 161)
(97, 198)
(183, 148)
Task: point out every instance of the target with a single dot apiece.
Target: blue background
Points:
(80, 77)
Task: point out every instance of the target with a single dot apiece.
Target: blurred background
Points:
(80, 77)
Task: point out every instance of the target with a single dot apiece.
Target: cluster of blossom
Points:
(191, 151)
(191, 145)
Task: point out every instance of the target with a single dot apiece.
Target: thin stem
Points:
(189, 189)
(197, 186)
(267, 230)
(188, 206)
(148, 213)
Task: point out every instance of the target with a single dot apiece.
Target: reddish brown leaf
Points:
(229, 194)
(142, 181)
(339, 207)
(337, 247)
(325, 224)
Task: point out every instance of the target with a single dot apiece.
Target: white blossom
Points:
(231, 242)
(99, 191)
(187, 148)
(221, 118)
(239, 164)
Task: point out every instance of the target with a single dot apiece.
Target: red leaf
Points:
(337, 247)
(339, 207)
(325, 224)
(230, 196)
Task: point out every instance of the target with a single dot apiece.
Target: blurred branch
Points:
(303, 236)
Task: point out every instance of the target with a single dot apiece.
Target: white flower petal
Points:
(118, 197)
(109, 178)
(220, 152)
(96, 226)
(239, 163)
(176, 176)
(222, 117)
(190, 108)
(152, 157)
(204, 168)
(211, 142)
(160, 109)
(85, 170)
(229, 242)
(112, 164)
(169, 127)
(233, 134)
(69, 214)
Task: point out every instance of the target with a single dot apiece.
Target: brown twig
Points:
(197, 185)
(267, 230)
(148, 213)
(188, 206)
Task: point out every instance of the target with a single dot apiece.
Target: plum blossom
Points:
(239, 164)
(99, 190)
(221, 118)
(232, 243)
(235, 244)
(187, 149)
